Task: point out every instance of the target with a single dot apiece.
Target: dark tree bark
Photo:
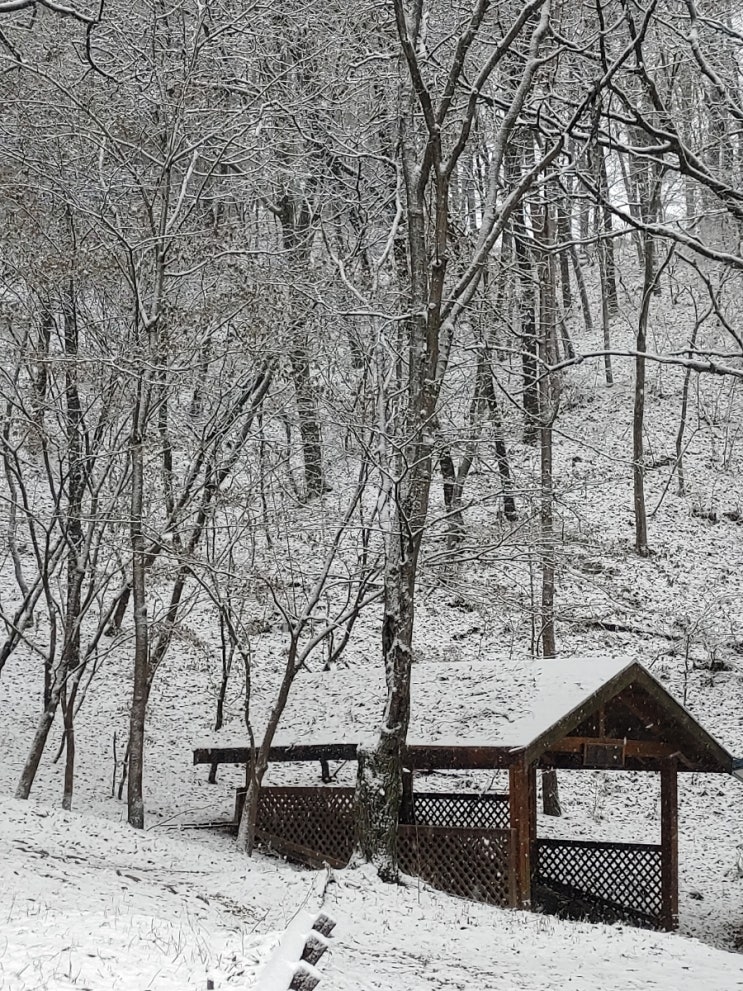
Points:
(76, 565)
(651, 278)
(604, 232)
(565, 237)
(296, 218)
(69, 659)
(138, 711)
(528, 320)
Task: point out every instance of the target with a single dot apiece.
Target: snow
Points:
(280, 969)
(88, 903)
(504, 703)
(536, 693)
(85, 903)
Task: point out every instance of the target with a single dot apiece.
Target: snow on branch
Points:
(10, 6)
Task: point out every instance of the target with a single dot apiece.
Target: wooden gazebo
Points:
(588, 716)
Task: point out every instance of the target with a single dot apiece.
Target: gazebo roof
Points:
(579, 713)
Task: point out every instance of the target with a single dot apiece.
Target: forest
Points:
(341, 335)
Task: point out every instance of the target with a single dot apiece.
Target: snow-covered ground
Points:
(85, 903)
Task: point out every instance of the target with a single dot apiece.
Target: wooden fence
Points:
(601, 881)
(463, 844)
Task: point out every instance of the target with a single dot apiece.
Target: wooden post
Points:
(532, 773)
(669, 839)
(407, 804)
(520, 807)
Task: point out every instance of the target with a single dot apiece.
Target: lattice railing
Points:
(623, 878)
(316, 820)
(316, 824)
(471, 863)
(457, 810)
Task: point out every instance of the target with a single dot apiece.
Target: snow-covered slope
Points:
(85, 903)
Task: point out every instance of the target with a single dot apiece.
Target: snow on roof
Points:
(503, 706)
(504, 703)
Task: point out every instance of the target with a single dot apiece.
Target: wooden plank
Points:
(469, 796)
(436, 832)
(567, 723)
(632, 748)
(669, 844)
(575, 762)
(425, 758)
(315, 947)
(599, 844)
(431, 758)
(532, 782)
(324, 924)
(520, 821)
(603, 755)
(304, 979)
(299, 753)
(705, 751)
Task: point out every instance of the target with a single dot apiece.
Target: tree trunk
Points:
(28, 773)
(550, 793)
(309, 424)
(565, 237)
(501, 451)
(684, 411)
(296, 216)
(529, 342)
(427, 175)
(547, 392)
(259, 755)
(137, 716)
(638, 420)
(377, 811)
(379, 783)
(56, 681)
(605, 311)
(605, 234)
(651, 279)
(40, 379)
(75, 541)
(582, 291)
(382, 770)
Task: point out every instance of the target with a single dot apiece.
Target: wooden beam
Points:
(425, 758)
(521, 809)
(299, 753)
(565, 753)
(587, 708)
(632, 748)
(669, 838)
